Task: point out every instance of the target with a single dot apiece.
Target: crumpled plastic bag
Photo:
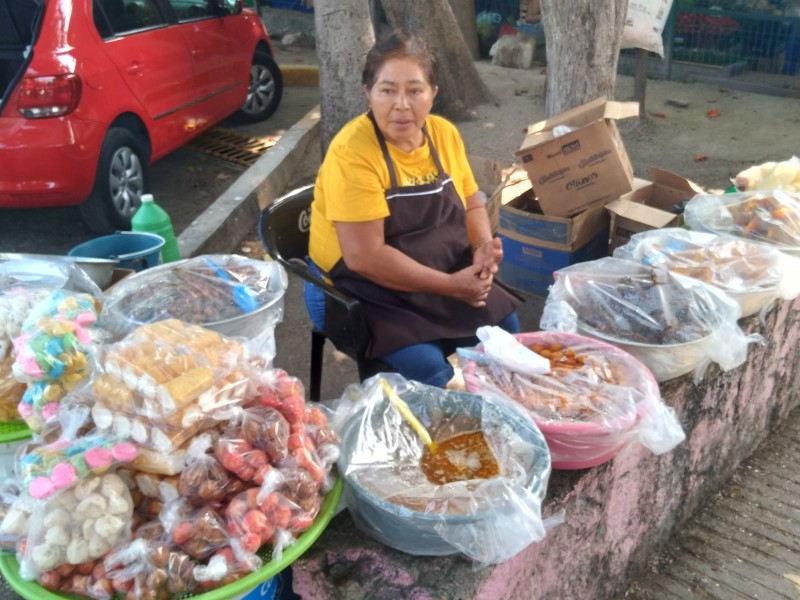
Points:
(594, 399)
(673, 324)
(771, 175)
(391, 499)
(755, 275)
(770, 217)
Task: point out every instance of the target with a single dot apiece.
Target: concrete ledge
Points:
(616, 514)
(222, 225)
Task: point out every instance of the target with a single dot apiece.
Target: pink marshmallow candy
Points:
(124, 452)
(41, 487)
(63, 475)
(98, 458)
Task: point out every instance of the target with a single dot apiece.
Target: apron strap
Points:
(388, 159)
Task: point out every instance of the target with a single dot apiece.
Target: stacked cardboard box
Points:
(552, 208)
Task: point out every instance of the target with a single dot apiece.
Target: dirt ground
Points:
(749, 128)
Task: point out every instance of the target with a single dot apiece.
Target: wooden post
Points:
(640, 79)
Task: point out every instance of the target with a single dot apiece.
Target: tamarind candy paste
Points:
(458, 458)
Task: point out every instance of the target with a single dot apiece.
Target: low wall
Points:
(616, 513)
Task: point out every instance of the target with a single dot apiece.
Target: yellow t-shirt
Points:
(353, 179)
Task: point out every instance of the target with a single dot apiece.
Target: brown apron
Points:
(428, 223)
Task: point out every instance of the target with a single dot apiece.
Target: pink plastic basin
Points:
(578, 444)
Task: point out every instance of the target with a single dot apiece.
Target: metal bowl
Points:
(665, 361)
(99, 270)
(161, 293)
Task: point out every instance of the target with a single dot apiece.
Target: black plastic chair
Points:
(283, 230)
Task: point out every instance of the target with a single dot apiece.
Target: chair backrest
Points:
(285, 224)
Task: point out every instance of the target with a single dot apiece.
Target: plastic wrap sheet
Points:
(769, 216)
(593, 401)
(391, 499)
(754, 275)
(673, 324)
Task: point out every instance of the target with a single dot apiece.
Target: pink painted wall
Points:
(615, 514)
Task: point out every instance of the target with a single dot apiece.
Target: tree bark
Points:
(640, 78)
(464, 12)
(583, 42)
(344, 35)
(460, 85)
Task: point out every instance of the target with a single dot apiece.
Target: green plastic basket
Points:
(14, 431)
(31, 590)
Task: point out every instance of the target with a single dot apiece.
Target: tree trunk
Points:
(344, 36)
(583, 42)
(464, 12)
(640, 78)
(460, 86)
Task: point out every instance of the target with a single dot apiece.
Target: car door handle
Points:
(135, 69)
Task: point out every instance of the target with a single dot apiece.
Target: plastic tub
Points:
(578, 444)
(135, 250)
(421, 532)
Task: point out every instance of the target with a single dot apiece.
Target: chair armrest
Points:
(345, 324)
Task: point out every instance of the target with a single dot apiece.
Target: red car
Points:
(94, 91)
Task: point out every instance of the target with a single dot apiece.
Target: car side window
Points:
(123, 16)
(189, 10)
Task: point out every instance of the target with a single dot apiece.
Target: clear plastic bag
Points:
(166, 382)
(594, 399)
(673, 324)
(772, 175)
(52, 352)
(77, 524)
(754, 275)
(769, 217)
(76, 456)
(390, 497)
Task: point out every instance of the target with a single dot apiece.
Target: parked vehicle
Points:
(94, 91)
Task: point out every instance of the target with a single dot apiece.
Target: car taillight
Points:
(52, 96)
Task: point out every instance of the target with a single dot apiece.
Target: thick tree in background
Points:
(460, 85)
(583, 43)
(464, 12)
(344, 35)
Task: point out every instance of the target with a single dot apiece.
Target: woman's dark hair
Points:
(400, 45)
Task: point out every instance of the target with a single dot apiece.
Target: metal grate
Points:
(232, 146)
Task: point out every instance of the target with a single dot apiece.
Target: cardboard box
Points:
(581, 169)
(649, 206)
(535, 245)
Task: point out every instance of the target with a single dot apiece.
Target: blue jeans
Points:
(427, 362)
(314, 298)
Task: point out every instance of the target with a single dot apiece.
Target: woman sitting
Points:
(398, 222)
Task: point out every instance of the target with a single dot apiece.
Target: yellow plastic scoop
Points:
(409, 416)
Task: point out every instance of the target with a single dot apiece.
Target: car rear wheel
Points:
(264, 91)
(119, 183)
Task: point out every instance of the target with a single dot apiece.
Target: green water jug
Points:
(151, 218)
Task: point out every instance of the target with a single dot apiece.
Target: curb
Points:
(300, 75)
(221, 226)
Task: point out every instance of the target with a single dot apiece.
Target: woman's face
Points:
(401, 99)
